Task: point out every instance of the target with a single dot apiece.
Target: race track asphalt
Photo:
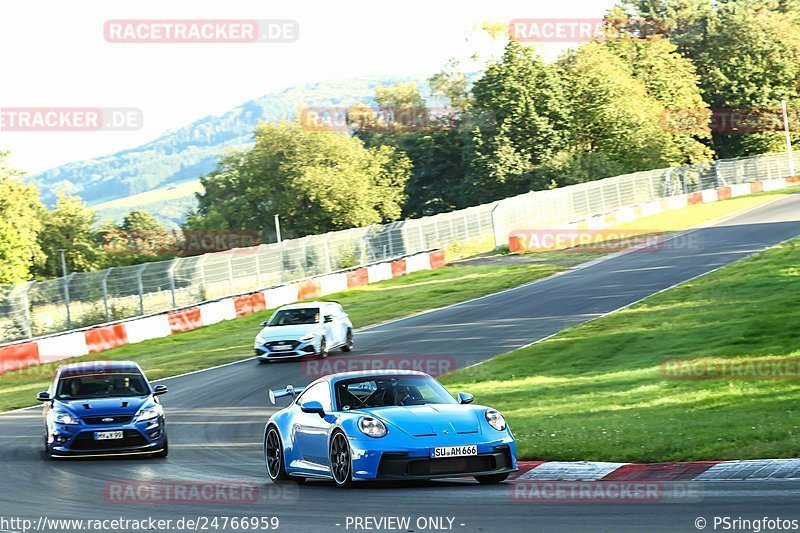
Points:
(216, 417)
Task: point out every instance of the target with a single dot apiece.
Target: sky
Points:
(55, 55)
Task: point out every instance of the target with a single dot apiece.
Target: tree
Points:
(140, 238)
(520, 122)
(616, 126)
(20, 225)
(747, 54)
(68, 227)
(317, 181)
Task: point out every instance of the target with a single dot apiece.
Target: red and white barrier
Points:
(105, 337)
(150, 327)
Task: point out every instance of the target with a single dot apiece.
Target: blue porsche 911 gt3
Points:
(385, 425)
(103, 408)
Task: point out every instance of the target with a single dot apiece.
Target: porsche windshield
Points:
(294, 317)
(101, 386)
(386, 391)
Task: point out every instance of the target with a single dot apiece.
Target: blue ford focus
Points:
(386, 426)
(103, 408)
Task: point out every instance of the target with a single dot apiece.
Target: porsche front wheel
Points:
(340, 460)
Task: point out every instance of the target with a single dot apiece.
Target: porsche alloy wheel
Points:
(340, 461)
(273, 454)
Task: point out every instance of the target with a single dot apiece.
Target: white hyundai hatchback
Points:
(304, 329)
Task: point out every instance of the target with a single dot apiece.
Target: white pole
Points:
(278, 227)
(788, 138)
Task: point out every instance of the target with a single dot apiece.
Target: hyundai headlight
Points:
(62, 417)
(149, 413)
(371, 427)
(495, 419)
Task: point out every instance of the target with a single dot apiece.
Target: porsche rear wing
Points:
(275, 395)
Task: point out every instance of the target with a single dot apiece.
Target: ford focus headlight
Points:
(371, 427)
(308, 338)
(149, 413)
(62, 417)
(495, 419)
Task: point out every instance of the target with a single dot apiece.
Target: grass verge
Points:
(232, 340)
(599, 391)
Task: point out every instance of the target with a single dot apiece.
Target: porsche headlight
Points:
(308, 338)
(495, 419)
(149, 413)
(371, 427)
(62, 417)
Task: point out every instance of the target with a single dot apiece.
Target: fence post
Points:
(27, 329)
(171, 273)
(141, 288)
(66, 282)
(389, 232)
(104, 285)
(230, 273)
(494, 225)
(619, 195)
(258, 265)
(326, 247)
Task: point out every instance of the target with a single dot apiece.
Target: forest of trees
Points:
(601, 109)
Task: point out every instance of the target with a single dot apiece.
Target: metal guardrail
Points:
(86, 298)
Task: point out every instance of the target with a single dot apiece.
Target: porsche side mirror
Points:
(465, 397)
(159, 389)
(328, 318)
(43, 397)
(313, 407)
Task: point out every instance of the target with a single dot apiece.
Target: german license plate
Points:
(107, 435)
(454, 451)
(282, 347)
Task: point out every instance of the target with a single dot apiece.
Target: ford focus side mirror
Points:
(313, 407)
(43, 397)
(159, 389)
(465, 397)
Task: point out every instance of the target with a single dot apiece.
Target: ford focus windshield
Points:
(101, 386)
(294, 317)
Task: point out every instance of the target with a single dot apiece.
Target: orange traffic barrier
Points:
(695, 198)
(185, 319)
(357, 277)
(106, 337)
(437, 257)
(249, 303)
(18, 356)
(398, 268)
(723, 193)
(756, 186)
(307, 290)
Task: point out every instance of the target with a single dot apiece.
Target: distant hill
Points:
(185, 154)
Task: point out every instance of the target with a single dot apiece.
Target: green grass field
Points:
(597, 391)
(233, 340)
